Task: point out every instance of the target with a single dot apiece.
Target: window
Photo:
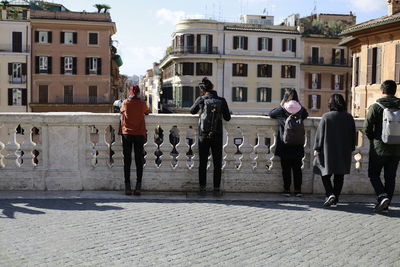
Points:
(93, 38)
(187, 96)
(264, 70)
(288, 71)
(338, 56)
(17, 97)
(357, 68)
(68, 37)
(288, 45)
(68, 64)
(239, 69)
(43, 94)
(239, 94)
(314, 81)
(374, 65)
(204, 43)
(17, 72)
(93, 65)
(315, 55)
(265, 44)
(43, 64)
(337, 82)
(314, 102)
(264, 94)
(17, 41)
(43, 37)
(240, 42)
(204, 68)
(185, 68)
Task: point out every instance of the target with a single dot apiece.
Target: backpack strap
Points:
(379, 104)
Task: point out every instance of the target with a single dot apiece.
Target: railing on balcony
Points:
(82, 151)
(339, 61)
(17, 80)
(82, 100)
(9, 48)
(316, 60)
(193, 50)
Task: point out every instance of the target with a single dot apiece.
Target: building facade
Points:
(72, 61)
(15, 61)
(151, 87)
(326, 68)
(375, 47)
(249, 64)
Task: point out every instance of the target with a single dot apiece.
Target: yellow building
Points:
(250, 63)
(14, 59)
(375, 47)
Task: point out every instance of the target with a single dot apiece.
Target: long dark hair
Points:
(290, 94)
(337, 103)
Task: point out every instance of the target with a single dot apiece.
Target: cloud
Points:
(367, 5)
(167, 16)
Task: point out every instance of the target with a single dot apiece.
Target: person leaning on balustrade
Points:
(334, 143)
(133, 131)
(291, 155)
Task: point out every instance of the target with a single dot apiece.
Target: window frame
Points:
(97, 38)
(267, 94)
(68, 65)
(242, 91)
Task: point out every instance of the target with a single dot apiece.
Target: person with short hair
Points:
(291, 155)
(381, 155)
(133, 131)
(210, 138)
(334, 143)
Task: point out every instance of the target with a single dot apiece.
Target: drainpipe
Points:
(223, 69)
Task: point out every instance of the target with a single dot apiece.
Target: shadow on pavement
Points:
(8, 208)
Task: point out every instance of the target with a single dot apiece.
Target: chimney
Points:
(393, 7)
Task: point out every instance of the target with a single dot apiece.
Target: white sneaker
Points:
(329, 201)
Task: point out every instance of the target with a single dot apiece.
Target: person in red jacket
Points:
(133, 131)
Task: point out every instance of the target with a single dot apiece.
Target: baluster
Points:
(261, 149)
(28, 146)
(102, 147)
(247, 163)
(166, 148)
(274, 141)
(118, 156)
(182, 148)
(150, 147)
(1, 148)
(11, 157)
(230, 147)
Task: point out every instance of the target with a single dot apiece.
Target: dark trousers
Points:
(336, 189)
(389, 165)
(137, 141)
(215, 144)
(289, 166)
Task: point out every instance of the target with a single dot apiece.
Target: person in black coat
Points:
(291, 155)
(334, 143)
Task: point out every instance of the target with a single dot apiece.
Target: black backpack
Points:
(210, 116)
(294, 133)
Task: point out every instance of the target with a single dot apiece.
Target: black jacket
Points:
(373, 127)
(282, 150)
(199, 106)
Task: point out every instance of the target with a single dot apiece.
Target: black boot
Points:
(138, 189)
(128, 189)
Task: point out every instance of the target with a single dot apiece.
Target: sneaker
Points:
(286, 193)
(128, 191)
(383, 203)
(298, 194)
(330, 201)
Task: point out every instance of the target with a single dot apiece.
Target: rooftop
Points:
(385, 20)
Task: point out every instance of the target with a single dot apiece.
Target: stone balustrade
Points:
(82, 151)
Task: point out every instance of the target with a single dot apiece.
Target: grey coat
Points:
(335, 141)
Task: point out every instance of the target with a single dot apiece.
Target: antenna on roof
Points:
(315, 7)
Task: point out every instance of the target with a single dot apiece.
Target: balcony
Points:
(17, 80)
(70, 100)
(315, 60)
(339, 61)
(193, 50)
(9, 48)
(80, 151)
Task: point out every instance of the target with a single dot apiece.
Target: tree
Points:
(99, 7)
(4, 3)
(106, 7)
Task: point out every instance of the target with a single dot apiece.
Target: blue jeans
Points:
(389, 165)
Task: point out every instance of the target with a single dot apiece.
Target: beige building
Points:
(326, 69)
(250, 64)
(72, 61)
(375, 47)
(14, 59)
(151, 87)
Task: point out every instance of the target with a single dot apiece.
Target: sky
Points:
(144, 28)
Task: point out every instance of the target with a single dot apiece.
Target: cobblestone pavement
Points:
(195, 232)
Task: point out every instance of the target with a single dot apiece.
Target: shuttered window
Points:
(239, 94)
(264, 94)
(239, 69)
